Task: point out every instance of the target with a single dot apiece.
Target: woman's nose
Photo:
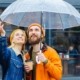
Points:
(20, 36)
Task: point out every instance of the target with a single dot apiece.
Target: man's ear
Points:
(42, 36)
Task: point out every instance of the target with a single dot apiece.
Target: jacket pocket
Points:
(17, 63)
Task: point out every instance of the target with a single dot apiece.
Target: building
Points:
(3, 5)
(75, 3)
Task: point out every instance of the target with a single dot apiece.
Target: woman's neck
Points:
(18, 47)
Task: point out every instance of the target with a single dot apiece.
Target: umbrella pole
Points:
(41, 22)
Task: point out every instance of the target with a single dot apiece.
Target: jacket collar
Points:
(44, 48)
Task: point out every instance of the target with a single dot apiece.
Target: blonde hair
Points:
(12, 35)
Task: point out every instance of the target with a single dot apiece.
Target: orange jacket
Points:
(52, 70)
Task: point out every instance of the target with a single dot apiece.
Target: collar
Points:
(17, 51)
(44, 48)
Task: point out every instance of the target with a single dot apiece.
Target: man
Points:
(47, 63)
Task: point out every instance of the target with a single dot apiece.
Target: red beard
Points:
(33, 42)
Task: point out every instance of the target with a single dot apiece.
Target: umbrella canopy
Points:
(52, 14)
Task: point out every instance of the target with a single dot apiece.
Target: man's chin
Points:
(34, 42)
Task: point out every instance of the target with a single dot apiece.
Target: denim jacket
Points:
(12, 65)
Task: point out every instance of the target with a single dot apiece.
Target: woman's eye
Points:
(17, 34)
(22, 35)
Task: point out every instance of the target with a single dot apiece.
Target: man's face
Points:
(34, 35)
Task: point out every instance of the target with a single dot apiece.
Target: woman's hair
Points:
(12, 35)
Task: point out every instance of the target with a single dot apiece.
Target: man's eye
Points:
(30, 30)
(36, 29)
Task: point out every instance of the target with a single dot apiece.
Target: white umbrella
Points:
(52, 14)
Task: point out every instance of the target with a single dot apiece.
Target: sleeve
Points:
(54, 65)
(4, 51)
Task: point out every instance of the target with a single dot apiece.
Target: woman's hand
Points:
(2, 31)
(27, 68)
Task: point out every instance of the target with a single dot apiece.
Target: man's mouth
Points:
(33, 36)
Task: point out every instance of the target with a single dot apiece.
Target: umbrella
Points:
(52, 14)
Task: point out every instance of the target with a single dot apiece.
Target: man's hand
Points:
(42, 58)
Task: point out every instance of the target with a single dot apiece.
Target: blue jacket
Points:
(12, 65)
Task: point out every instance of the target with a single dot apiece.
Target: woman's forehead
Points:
(19, 31)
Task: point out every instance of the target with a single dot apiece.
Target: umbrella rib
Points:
(21, 19)
(61, 22)
(76, 21)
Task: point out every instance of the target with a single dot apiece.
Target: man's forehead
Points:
(33, 27)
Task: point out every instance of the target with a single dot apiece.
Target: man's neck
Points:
(37, 47)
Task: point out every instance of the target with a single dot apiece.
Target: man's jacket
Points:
(52, 70)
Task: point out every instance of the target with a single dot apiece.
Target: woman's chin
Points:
(20, 43)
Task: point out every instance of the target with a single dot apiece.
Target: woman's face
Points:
(19, 37)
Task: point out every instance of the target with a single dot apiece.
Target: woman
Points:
(11, 57)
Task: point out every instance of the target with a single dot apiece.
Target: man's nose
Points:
(33, 31)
